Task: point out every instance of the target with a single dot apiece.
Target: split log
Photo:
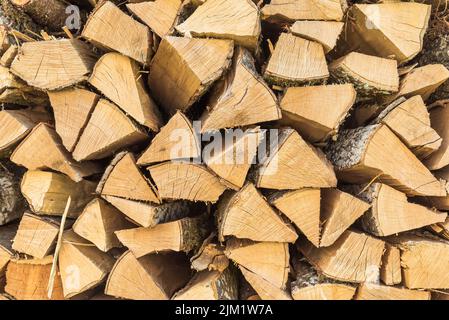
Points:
(177, 88)
(390, 270)
(210, 256)
(264, 289)
(362, 154)
(371, 291)
(175, 141)
(117, 77)
(317, 111)
(371, 76)
(28, 279)
(160, 15)
(294, 164)
(185, 235)
(42, 149)
(108, 129)
(82, 265)
(225, 19)
(110, 29)
(123, 179)
(438, 119)
(246, 214)
(7, 234)
(296, 61)
(72, 108)
(324, 32)
(354, 257)
(187, 181)
(12, 203)
(241, 98)
(210, 285)
(47, 193)
(54, 64)
(98, 222)
(8, 56)
(145, 279)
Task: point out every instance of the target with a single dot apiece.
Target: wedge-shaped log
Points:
(42, 149)
(236, 20)
(296, 61)
(117, 77)
(177, 88)
(123, 173)
(12, 203)
(324, 32)
(81, 264)
(108, 129)
(72, 108)
(111, 29)
(98, 222)
(176, 140)
(295, 164)
(354, 257)
(390, 271)
(54, 64)
(185, 235)
(264, 289)
(152, 277)
(186, 181)
(362, 154)
(247, 215)
(7, 234)
(317, 111)
(371, 76)
(439, 116)
(210, 285)
(372, 291)
(47, 193)
(241, 98)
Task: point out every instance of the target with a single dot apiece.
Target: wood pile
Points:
(224, 149)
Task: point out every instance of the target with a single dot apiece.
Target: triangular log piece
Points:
(176, 140)
(160, 15)
(186, 181)
(354, 257)
(390, 271)
(81, 264)
(390, 29)
(12, 203)
(8, 57)
(47, 193)
(295, 164)
(210, 285)
(264, 289)
(177, 88)
(28, 279)
(372, 291)
(324, 32)
(391, 213)
(362, 154)
(148, 215)
(439, 116)
(410, 121)
(210, 256)
(236, 20)
(303, 208)
(98, 222)
(54, 64)
(117, 77)
(339, 211)
(371, 76)
(241, 98)
(108, 129)
(7, 234)
(72, 108)
(423, 260)
(232, 159)
(123, 179)
(269, 260)
(288, 11)
(152, 277)
(16, 124)
(317, 111)
(247, 215)
(42, 149)
(296, 61)
(182, 235)
(111, 29)
(36, 236)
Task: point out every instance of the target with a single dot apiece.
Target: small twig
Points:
(68, 32)
(45, 35)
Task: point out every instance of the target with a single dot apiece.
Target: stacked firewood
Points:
(224, 149)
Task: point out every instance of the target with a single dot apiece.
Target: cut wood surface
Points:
(390, 270)
(440, 158)
(324, 32)
(9, 55)
(264, 289)
(371, 291)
